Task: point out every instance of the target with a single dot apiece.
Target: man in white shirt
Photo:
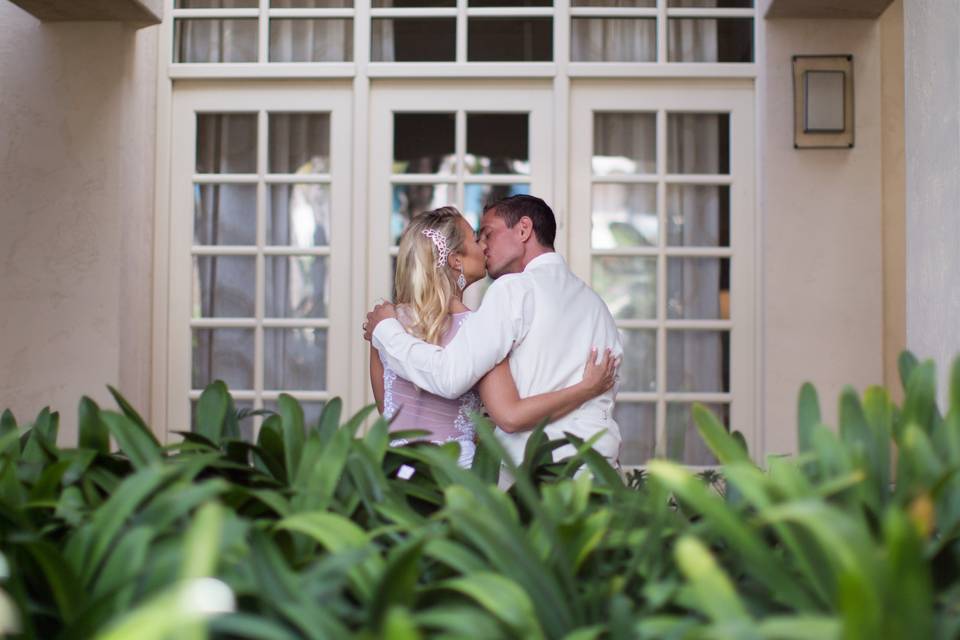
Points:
(536, 311)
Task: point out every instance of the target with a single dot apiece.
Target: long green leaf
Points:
(808, 415)
(294, 435)
(501, 597)
(93, 432)
(139, 445)
(212, 411)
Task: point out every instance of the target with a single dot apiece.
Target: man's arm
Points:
(485, 338)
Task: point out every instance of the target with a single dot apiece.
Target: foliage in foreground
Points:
(310, 533)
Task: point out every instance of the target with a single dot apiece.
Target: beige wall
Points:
(77, 142)
(822, 248)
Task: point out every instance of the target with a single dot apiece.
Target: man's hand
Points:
(380, 312)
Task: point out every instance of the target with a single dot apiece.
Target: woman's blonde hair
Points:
(424, 287)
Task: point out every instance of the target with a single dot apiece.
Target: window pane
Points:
(226, 143)
(411, 199)
(224, 286)
(295, 359)
(698, 215)
(311, 411)
(311, 4)
(215, 40)
(698, 143)
(311, 40)
(298, 215)
(424, 143)
(225, 214)
(627, 284)
(217, 4)
(698, 361)
(624, 215)
(510, 39)
(638, 431)
(684, 443)
(510, 3)
(624, 143)
(638, 371)
(614, 3)
(498, 143)
(299, 143)
(698, 288)
(711, 4)
(223, 354)
(613, 40)
(478, 196)
(413, 3)
(297, 286)
(413, 40)
(710, 40)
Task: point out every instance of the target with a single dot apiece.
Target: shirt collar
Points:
(544, 260)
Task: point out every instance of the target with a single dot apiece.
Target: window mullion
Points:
(258, 339)
(461, 31)
(660, 439)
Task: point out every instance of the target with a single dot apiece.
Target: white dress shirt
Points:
(547, 320)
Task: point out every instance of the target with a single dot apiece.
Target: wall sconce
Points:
(823, 102)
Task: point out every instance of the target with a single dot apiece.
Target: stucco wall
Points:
(77, 143)
(822, 222)
(932, 50)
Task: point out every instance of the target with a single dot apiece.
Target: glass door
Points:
(662, 190)
(259, 289)
(465, 145)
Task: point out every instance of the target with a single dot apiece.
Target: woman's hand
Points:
(600, 377)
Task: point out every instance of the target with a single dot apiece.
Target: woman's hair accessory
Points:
(440, 243)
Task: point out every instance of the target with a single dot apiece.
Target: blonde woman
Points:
(438, 258)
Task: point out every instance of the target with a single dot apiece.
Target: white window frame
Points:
(660, 97)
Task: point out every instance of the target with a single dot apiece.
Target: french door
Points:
(259, 291)
(662, 195)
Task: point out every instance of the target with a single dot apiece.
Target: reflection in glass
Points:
(297, 286)
(311, 40)
(710, 4)
(638, 430)
(424, 143)
(642, 4)
(710, 40)
(311, 411)
(477, 196)
(224, 286)
(698, 143)
(498, 143)
(215, 40)
(397, 4)
(698, 215)
(298, 215)
(224, 214)
(698, 361)
(299, 143)
(628, 284)
(509, 39)
(411, 199)
(222, 354)
(413, 40)
(638, 371)
(311, 4)
(624, 143)
(509, 3)
(226, 143)
(698, 288)
(684, 443)
(295, 359)
(624, 215)
(217, 4)
(613, 40)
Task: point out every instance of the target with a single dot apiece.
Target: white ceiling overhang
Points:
(141, 13)
(827, 9)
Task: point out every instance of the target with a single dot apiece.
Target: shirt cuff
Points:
(384, 331)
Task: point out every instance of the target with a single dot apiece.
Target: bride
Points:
(439, 256)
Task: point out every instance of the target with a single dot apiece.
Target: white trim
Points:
(510, 12)
(663, 70)
(258, 71)
(414, 12)
(311, 13)
(213, 14)
(267, 323)
(561, 132)
(759, 443)
(422, 70)
(696, 12)
(614, 12)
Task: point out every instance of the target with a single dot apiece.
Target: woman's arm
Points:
(513, 413)
(376, 377)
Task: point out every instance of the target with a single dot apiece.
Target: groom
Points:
(537, 312)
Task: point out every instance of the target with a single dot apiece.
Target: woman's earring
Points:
(461, 279)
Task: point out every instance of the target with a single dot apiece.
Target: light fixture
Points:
(823, 102)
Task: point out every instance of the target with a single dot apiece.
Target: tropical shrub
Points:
(316, 531)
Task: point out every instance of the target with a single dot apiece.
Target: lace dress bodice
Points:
(446, 420)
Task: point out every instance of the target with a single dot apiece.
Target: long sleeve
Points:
(486, 338)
